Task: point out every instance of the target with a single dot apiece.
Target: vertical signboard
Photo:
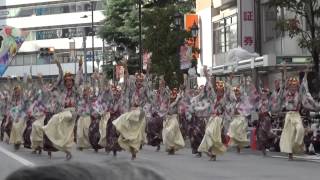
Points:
(189, 20)
(72, 48)
(247, 20)
(119, 72)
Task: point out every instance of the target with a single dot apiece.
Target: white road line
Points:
(306, 158)
(16, 157)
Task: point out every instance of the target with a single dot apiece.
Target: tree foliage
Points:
(160, 35)
(308, 33)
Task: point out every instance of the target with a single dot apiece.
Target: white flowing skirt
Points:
(132, 130)
(238, 131)
(212, 142)
(171, 134)
(60, 130)
(83, 126)
(36, 136)
(292, 135)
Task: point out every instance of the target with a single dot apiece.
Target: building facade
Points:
(249, 24)
(64, 25)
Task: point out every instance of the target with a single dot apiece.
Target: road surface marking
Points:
(306, 158)
(16, 157)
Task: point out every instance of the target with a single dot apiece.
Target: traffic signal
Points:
(46, 55)
(47, 51)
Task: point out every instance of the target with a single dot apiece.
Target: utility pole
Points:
(92, 35)
(140, 38)
(85, 57)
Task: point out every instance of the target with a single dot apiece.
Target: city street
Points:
(182, 166)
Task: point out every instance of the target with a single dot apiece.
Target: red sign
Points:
(248, 41)
(247, 24)
(248, 16)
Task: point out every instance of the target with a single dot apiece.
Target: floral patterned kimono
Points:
(171, 134)
(113, 104)
(18, 113)
(52, 105)
(213, 141)
(132, 125)
(31, 111)
(155, 121)
(292, 135)
(276, 107)
(183, 106)
(239, 125)
(264, 125)
(60, 128)
(4, 104)
(39, 113)
(197, 114)
(97, 124)
(83, 123)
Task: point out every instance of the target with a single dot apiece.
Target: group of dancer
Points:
(53, 117)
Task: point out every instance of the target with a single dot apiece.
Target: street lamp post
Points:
(114, 63)
(85, 56)
(74, 55)
(92, 34)
(140, 38)
(92, 31)
(178, 20)
(194, 33)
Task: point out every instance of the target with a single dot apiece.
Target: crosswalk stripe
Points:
(16, 157)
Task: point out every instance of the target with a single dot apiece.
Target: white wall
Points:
(31, 46)
(17, 2)
(52, 20)
(205, 37)
(45, 70)
(284, 46)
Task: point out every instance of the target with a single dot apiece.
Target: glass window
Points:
(19, 61)
(27, 59)
(225, 34)
(59, 33)
(41, 10)
(270, 16)
(26, 12)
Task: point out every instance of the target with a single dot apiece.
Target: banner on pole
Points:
(11, 40)
(185, 56)
(247, 24)
(146, 60)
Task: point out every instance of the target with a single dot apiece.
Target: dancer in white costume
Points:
(294, 98)
(171, 134)
(239, 125)
(60, 128)
(132, 125)
(218, 95)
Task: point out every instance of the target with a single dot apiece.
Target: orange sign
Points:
(190, 19)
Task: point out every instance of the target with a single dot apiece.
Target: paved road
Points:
(182, 166)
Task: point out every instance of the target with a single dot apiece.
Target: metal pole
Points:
(103, 52)
(85, 57)
(140, 38)
(92, 34)
(113, 76)
(74, 56)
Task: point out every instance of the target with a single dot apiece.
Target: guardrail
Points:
(263, 61)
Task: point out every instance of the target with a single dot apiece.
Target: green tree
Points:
(163, 39)
(160, 36)
(121, 23)
(307, 11)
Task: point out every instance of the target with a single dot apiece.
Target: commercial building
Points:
(64, 25)
(250, 24)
